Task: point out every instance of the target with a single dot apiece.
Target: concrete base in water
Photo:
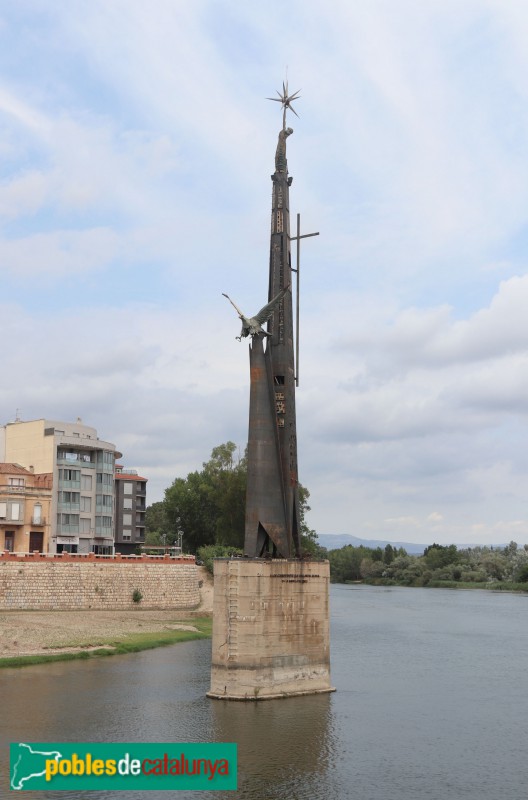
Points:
(271, 634)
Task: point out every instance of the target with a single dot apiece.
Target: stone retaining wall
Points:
(69, 584)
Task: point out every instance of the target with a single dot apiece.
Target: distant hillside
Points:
(333, 541)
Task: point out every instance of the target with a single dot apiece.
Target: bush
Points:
(522, 574)
(474, 576)
(209, 552)
(137, 596)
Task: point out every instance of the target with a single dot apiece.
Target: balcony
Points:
(77, 463)
(67, 529)
(38, 521)
(69, 484)
(71, 507)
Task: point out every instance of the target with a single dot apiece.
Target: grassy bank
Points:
(98, 647)
(491, 586)
(494, 586)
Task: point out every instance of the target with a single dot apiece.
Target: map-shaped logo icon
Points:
(27, 763)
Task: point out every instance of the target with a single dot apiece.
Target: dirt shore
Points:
(25, 633)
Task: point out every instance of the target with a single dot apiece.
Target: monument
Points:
(271, 613)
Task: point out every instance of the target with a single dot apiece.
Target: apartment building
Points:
(81, 515)
(130, 507)
(25, 503)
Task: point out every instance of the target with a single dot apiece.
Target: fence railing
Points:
(118, 558)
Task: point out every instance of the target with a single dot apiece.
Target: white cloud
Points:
(435, 516)
(137, 149)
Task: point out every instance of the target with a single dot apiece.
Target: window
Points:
(86, 503)
(127, 520)
(67, 455)
(106, 458)
(104, 500)
(9, 541)
(69, 497)
(84, 525)
(86, 483)
(73, 455)
(67, 519)
(69, 474)
(103, 479)
(127, 502)
(102, 550)
(37, 514)
(66, 548)
(15, 511)
(126, 537)
(17, 481)
(128, 488)
(3, 510)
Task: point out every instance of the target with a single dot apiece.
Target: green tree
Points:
(389, 554)
(495, 565)
(309, 542)
(345, 563)
(522, 574)
(227, 478)
(372, 569)
(155, 518)
(437, 555)
(190, 507)
(510, 549)
(153, 538)
(209, 505)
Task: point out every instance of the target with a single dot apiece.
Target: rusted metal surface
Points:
(265, 507)
(272, 500)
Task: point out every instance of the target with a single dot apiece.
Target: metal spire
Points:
(286, 101)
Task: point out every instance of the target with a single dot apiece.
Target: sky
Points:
(136, 148)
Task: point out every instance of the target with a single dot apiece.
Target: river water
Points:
(431, 703)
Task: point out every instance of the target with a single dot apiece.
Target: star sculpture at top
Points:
(286, 101)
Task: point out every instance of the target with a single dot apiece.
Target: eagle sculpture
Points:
(252, 326)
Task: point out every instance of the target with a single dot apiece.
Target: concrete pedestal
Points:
(271, 633)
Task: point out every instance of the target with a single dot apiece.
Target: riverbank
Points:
(28, 637)
(490, 586)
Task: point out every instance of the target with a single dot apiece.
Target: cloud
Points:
(136, 152)
(434, 516)
(58, 253)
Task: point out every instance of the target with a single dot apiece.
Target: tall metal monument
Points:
(272, 499)
(271, 633)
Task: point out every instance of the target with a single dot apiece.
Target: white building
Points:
(82, 465)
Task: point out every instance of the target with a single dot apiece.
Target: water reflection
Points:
(284, 745)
